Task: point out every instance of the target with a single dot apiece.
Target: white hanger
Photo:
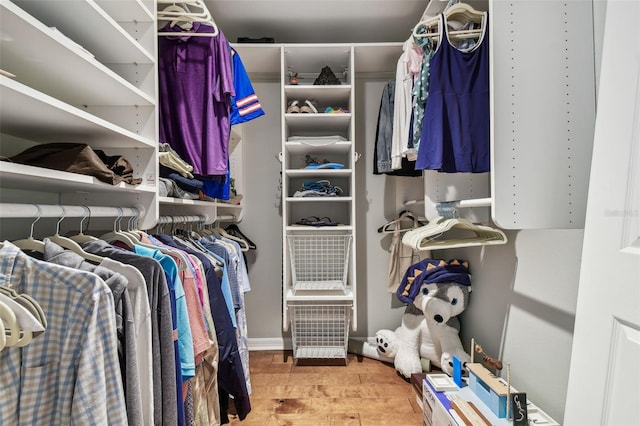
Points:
(117, 234)
(26, 319)
(70, 244)
(460, 12)
(81, 238)
(3, 337)
(14, 336)
(175, 14)
(430, 236)
(30, 243)
(26, 301)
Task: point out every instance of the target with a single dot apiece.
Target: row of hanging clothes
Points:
(435, 114)
(203, 90)
(131, 327)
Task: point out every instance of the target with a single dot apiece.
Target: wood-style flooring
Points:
(362, 392)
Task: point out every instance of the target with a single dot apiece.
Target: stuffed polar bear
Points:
(435, 291)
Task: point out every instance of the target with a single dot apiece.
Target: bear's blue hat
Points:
(432, 271)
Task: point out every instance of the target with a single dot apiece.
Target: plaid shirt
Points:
(70, 374)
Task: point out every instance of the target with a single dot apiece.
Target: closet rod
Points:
(17, 210)
(477, 202)
(182, 218)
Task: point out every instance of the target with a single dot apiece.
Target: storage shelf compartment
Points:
(87, 21)
(337, 209)
(308, 60)
(32, 115)
(338, 184)
(320, 331)
(34, 52)
(317, 147)
(333, 96)
(319, 262)
(24, 177)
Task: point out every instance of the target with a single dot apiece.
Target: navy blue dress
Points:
(455, 133)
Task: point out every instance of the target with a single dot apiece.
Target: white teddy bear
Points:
(436, 291)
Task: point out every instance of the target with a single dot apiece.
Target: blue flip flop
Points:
(325, 166)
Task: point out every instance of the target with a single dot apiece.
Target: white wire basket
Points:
(320, 331)
(319, 262)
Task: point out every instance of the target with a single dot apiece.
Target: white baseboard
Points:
(269, 343)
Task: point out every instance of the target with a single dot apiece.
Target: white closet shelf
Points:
(47, 61)
(329, 123)
(32, 115)
(188, 202)
(324, 95)
(127, 10)
(18, 176)
(320, 296)
(319, 199)
(89, 22)
(298, 148)
(324, 173)
(304, 228)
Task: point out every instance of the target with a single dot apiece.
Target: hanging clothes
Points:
(72, 371)
(165, 394)
(195, 80)
(455, 133)
(125, 326)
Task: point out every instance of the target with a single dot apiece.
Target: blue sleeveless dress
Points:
(455, 133)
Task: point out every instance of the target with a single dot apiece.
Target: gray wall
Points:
(523, 301)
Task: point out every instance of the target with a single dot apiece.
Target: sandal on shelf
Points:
(316, 221)
(293, 107)
(309, 107)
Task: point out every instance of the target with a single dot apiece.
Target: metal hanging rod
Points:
(17, 210)
(182, 218)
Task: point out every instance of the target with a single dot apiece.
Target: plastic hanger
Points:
(70, 244)
(30, 243)
(26, 319)
(28, 302)
(81, 238)
(3, 337)
(459, 12)
(118, 235)
(433, 236)
(14, 336)
(234, 230)
(176, 14)
(392, 226)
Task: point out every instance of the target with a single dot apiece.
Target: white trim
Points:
(269, 343)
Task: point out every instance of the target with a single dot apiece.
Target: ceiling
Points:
(318, 21)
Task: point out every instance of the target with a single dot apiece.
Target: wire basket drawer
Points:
(320, 330)
(319, 262)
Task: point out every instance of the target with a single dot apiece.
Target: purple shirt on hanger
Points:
(195, 87)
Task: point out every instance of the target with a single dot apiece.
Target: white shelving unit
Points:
(319, 273)
(77, 72)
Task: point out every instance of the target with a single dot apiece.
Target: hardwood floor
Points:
(364, 392)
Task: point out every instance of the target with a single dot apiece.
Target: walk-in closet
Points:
(187, 187)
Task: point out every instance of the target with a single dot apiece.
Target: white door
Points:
(604, 380)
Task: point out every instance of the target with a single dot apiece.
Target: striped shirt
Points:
(70, 374)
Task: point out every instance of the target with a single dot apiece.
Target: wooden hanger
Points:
(435, 236)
